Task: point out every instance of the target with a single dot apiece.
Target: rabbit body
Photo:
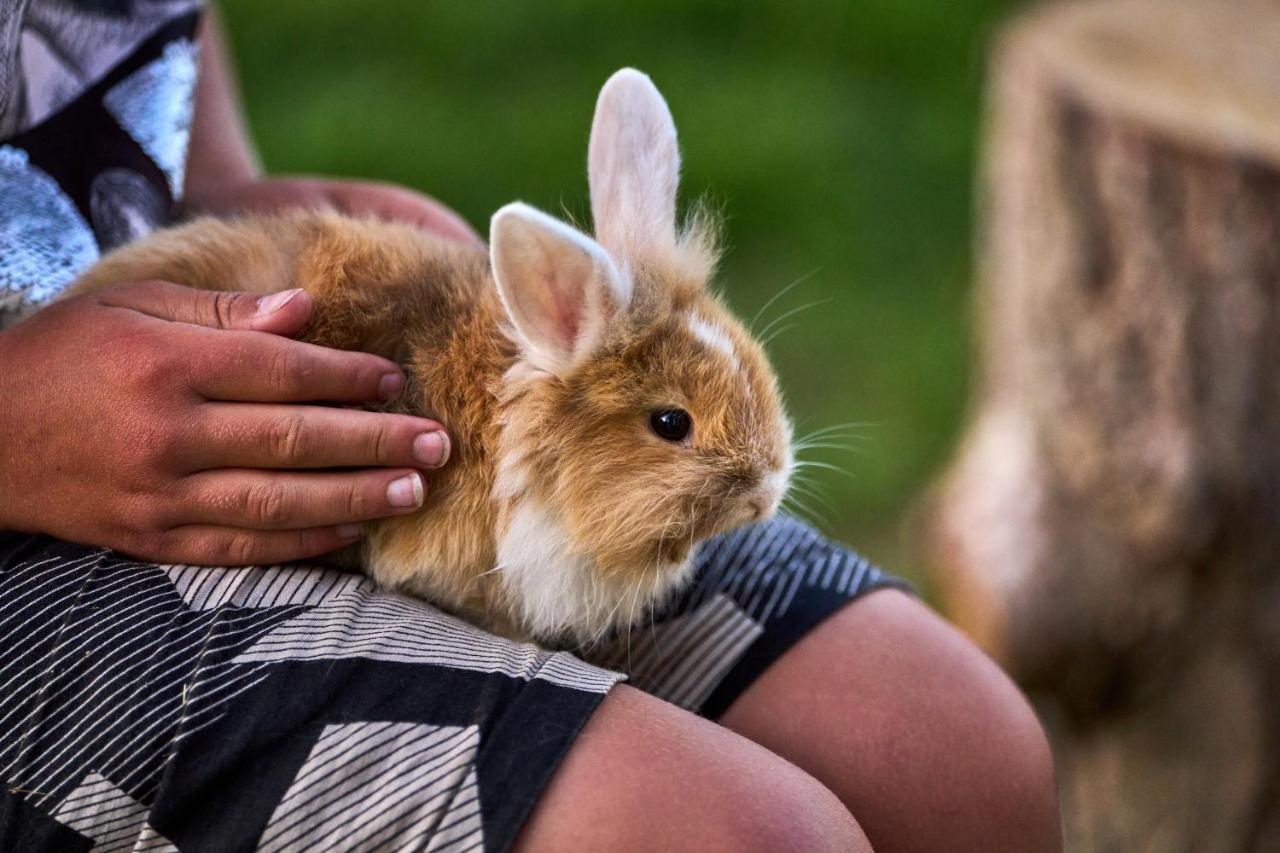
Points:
(571, 502)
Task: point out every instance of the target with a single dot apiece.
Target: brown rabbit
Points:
(607, 411)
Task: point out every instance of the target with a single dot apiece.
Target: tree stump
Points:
(1110, 528)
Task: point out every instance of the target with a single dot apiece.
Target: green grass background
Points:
(839, 137)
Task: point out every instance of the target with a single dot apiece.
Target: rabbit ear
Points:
(633, 167)
(559, 288)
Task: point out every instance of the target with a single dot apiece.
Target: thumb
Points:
(282, 313)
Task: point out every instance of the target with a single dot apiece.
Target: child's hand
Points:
(360, 198)
(170, 424)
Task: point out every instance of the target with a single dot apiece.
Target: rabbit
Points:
(607, 411)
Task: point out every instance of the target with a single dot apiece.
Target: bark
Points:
(1110, 528)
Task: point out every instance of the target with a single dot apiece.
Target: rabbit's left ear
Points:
(633, 167)
(560, 289)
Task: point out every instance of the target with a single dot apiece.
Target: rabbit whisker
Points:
(776, 321)
(781, 293)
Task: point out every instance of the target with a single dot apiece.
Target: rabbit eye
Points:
(671, 424)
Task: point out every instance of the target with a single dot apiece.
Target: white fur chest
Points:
(558, 592)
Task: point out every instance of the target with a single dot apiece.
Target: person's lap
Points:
(883, 710)
(318, 710)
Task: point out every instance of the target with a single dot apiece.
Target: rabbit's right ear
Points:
(633, 168)
(559, 287)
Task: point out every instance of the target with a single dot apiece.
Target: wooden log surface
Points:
(1110, 527)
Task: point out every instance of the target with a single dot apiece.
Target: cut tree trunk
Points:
(1110, 529)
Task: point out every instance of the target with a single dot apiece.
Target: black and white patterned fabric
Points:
(170, 707)
(95, 114)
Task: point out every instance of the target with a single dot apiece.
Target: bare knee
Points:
(995, 754)
(1002, 751)
(789, 810)
(646, 775)
(921, 736)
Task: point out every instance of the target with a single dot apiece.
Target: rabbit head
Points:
(640, 417)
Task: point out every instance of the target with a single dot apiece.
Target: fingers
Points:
(428, 214)
(212, 545)
(237, 435)
(399, 204)
(249, 367)
(258, 368)
(274, 500)
(282, 313)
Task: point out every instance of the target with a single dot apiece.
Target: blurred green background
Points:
(839, 137)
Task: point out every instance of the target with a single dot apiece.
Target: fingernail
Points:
(406, 491)
(432, 448)
(350, 531)
(390, 385)
(274, 302)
